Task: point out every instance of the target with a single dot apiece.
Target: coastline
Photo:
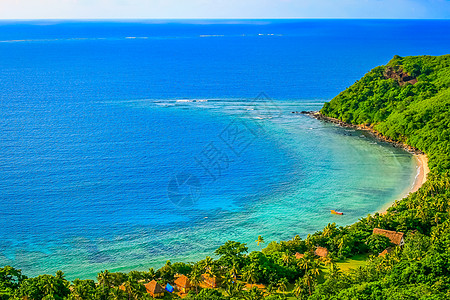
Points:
(420, 157)
(420, 179)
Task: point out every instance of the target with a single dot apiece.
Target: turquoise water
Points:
(120, 153)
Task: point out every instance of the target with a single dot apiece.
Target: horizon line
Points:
(204, 18)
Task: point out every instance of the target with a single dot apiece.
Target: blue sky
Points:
(92, 9)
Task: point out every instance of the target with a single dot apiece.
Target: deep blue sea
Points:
(125, 144)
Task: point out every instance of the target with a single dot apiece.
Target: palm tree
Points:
(329, 260)
(227, 279)
(128, 289)
(234, 270)
(329, 229)
(116, 294)
(60, 275)
(151, 274)
(315, 269)
(254, 294)
(299, 288)
(238, 288)
(286, 258)
(104, 278)
(359, 274)
(282, 284)
(304, 263)
(250, 276)
(260, 240)
(196, 279)
(49, 287)
(229, 290)
(307, 280)
(270, 288)
(233, 290)
(334, 272)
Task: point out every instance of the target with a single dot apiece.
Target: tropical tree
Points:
(282, 284)
(260, 240)
(83, 289)
(287, 258)
(195, 278)
(334, 272)
(104, 278)
(250, 274)
(231, 253)
(299, 288)
(377, 243)
(134, 290)
(116, 294)
(308, 281)
(254, 294)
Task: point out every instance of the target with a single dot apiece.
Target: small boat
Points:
(336, 212)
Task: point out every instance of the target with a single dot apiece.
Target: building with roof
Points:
(321, 251)
(154, 289)
(395, 237)
(183, 284)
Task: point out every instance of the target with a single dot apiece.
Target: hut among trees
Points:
(321, 251)
(183, 284)
(299, 255)
(154, 289)
(395, 237)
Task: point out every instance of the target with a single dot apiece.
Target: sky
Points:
(187, 9)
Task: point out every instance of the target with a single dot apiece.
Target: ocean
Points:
(124, 144)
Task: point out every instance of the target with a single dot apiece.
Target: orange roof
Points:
(394, 236)
(299, 255)
(153, 287)
(183, 282)
(321, 251)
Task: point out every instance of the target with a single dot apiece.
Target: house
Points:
(299, 255)
(154, 289)
(321, 251)
(395, 237)
(183, 284)
(210, 280)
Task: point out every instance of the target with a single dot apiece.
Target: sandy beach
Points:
(421, 177)
(422, 172)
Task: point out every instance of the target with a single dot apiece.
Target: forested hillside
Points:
(407, 100)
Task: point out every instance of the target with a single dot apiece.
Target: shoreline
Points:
(420, 157)
(420, 179)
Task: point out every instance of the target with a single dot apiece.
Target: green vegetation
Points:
(407, 100)
(354, 262)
